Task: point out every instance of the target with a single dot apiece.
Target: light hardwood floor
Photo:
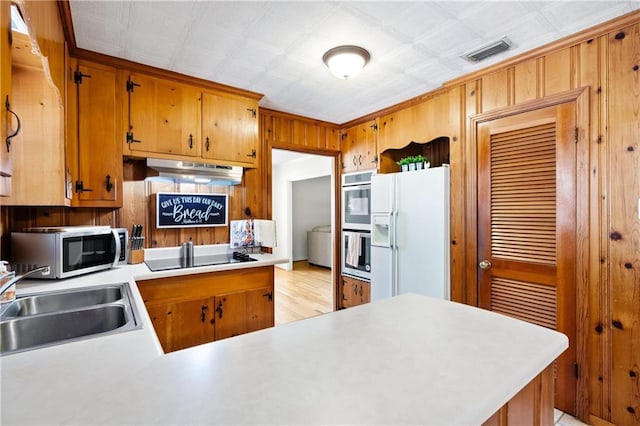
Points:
(305, 291)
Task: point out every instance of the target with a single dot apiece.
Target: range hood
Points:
(191, 171)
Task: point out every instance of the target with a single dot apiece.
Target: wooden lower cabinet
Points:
(195, 309)
(532, 405)
(182, 324)
(239, 313)
(355, 292)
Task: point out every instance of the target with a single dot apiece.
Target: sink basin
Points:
(46, 319)
(60, 301)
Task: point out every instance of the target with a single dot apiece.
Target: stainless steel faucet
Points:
(44, 270)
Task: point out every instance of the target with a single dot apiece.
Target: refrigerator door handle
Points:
(394, 251)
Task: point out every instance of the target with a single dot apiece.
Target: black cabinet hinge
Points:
(374, 126)
(130, 138)
(269, 296)
(253, 154)
(252, 111)
(80, 187)
(576, 133)
(78, 76)
(131, 85)
(576, 370)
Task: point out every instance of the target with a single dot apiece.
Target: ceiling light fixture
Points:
(346, 61)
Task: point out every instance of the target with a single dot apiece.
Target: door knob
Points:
(485, 264)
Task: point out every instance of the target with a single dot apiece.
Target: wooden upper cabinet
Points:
(6, 122)
(283, 131)
(175, 120)
(229, 129)
(164, 117)
(359, 147)
(39, 175)
(97, 170)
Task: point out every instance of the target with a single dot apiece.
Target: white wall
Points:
(283, 175)
(311, 200)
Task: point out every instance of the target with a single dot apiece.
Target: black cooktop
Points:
(206, 260)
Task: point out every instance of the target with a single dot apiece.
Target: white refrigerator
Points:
(410, 233)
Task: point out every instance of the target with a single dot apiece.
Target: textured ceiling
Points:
(275, 48)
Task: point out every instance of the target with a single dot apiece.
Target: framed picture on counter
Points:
(190, 210)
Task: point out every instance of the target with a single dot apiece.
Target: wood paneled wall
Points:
(245, 201)
(608, 293)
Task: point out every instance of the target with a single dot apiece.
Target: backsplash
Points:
(245, 201)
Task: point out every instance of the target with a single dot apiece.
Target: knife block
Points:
(136, 256)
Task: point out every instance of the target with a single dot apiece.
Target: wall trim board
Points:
(292, 116)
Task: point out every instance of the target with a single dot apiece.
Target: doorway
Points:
(303, 207)
(528, 182)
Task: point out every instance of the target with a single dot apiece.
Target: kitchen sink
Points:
(45, 319)
(54, 302)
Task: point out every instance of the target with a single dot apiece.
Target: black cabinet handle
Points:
(15, 132)
(360, 159)
(206, 144)
(108, 183)
(219, 310)
(190, 141)
(355, 161)
(203, 313)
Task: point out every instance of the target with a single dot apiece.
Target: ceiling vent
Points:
(490, 49)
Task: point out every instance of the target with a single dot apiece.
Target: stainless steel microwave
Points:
(69, 251)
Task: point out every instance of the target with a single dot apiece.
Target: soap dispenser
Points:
(5, 276)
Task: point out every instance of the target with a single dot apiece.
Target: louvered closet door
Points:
(526, 225)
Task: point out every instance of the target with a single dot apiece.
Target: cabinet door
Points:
(164, 116)
(229, 129)
(242, 312)
(99, 175)
(355, 292)
(260, 309)
(365, 292)
(359, 147)
(230, 315)
(159, 315)
(6, 122)
(191, 323)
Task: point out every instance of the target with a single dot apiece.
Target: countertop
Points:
(406, 360)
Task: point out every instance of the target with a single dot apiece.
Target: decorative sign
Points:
(186, 210)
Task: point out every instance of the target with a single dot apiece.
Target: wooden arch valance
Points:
(435, 150)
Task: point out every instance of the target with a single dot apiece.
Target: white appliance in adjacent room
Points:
(410, 233)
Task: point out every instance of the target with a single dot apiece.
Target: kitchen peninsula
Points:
(406, 360)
